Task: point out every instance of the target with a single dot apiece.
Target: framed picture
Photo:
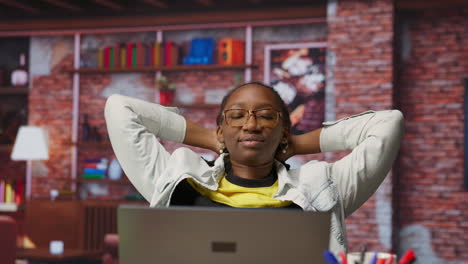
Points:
(297, 73)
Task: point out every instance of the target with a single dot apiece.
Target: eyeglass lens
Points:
(265, 117)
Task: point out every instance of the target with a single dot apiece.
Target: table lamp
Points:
(31, 144)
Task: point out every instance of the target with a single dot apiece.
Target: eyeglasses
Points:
(267, 118)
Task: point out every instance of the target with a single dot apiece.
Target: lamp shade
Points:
(31, 144)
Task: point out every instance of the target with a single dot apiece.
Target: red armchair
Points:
(111, 249)
(8, 231)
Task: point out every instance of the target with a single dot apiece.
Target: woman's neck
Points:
(251, 172)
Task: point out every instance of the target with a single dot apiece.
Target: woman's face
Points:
(251, 144)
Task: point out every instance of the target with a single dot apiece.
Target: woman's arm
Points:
(308, 143)
(201, 137)
(374, 138)
(133, 126)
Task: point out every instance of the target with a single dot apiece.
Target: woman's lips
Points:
(252, 141)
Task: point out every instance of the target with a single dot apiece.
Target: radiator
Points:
(99, 220)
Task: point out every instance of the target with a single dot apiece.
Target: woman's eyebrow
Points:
(257, 106)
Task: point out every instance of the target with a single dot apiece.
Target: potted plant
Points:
(166, 90)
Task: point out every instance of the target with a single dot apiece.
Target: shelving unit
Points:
(6, 147)
(82, 180)
(13, 114)
(12, 207)
(164, 68)
(14, 90)
(92, 144)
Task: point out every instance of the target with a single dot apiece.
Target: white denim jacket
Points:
(340, 187)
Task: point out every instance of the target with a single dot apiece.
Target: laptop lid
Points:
(179, 235)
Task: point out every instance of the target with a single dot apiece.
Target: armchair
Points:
(111, 249)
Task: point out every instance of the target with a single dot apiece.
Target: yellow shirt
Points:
(241, 197)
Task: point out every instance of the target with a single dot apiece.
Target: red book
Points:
(19, 194)
(106, 57)
(91, 165)
(117, 56)
(129, 54)
(167, 53)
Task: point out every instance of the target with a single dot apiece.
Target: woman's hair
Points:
(283, 108)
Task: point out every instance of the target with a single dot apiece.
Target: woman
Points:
(253, 138)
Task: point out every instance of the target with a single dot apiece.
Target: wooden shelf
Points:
(6, 147)
(81, 180)
(93, 144)
(164, 68)
(8, 207)
(12, 177)
(14, 90)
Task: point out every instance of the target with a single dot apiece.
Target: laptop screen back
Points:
(179, 235)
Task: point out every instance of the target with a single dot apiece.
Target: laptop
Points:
(181, 235)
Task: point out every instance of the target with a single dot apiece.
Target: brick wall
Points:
(50, 106)
(361, 40)
(432, 200)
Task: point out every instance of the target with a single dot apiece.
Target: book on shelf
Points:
(106, 57)
(95, 168)
(117, 56)
(154, 54)
(11, 194)
(149, 55)
(201, 51)
(123, 56)
(129, 51)
(100, 58)
(157, 54)
(134, 56)
(171, 53)
(111, 57)
(2, 191)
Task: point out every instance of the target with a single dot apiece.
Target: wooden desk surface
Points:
(43, 254)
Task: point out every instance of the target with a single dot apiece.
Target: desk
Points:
(42, 255)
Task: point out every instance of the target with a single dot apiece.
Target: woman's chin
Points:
(253, 157)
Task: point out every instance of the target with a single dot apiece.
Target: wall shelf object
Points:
(164, 68)
(14, 90)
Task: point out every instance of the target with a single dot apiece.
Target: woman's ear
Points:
(219, 134)
(286, 134)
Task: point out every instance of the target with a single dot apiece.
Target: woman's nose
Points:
(251, 123)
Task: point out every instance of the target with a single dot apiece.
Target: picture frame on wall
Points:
(297, 72)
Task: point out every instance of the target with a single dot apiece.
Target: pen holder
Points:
(56, 247)
(354, 257)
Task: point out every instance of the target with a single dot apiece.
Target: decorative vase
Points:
(115, 171)
(166, 97)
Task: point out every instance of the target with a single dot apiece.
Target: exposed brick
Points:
(431, 163)
(361, 36)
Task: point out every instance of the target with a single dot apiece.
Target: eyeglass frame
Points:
(252, 113)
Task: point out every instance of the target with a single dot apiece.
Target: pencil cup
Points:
(355, 257)
(56, 247)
